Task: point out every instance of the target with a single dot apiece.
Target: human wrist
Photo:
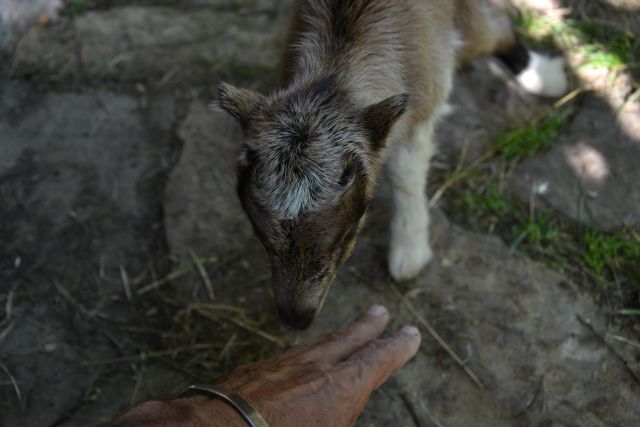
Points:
(208, 411)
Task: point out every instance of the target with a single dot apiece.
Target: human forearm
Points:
(196, 411)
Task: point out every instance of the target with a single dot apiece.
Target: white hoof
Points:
(545, 76)
(408, 256)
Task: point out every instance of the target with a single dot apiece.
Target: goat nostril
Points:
(297, 320)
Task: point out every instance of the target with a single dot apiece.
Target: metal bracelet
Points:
(246, 411)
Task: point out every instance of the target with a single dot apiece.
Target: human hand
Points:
(328, 382)
(325, 383)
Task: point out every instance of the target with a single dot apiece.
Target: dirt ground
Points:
(128, 271)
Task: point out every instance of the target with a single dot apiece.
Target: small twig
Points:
(5, 333)
(414, 413)
(463, 156)
(624, 340)
(247, 326)
(13, 382)
(136, 389)
(436, 336)
(125, 283)
(180, 271)
(598, 335)
(412, 410)
(227, 347)
(8, 308)
(95, 314)
(536, 394)
(632, 98)
(65, 293)
(217, 307)
(532, 203)
(167, 279)
(242, 324)
(204, 275)
(198, 376)
(148, 355)
(433, 419)
(517, 242)
(629, 312)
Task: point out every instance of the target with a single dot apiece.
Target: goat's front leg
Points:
(408, 165)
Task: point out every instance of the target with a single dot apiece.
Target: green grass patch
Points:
(602, 46)
(609, 261)
(76, 7)
(537, 29)
(490, 202)
(91, 389)
(532, 139)
(540, 230)
(613, 252)
(515, 222)
(597, 45)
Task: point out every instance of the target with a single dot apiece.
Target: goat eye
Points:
(250, 156)
(346, 177)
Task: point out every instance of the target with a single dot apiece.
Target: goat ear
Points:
(240, 103)
(380, 118)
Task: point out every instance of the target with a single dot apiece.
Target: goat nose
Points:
(297, 319)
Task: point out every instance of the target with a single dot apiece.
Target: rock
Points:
(591, 173)
(76, 173)
(198, 44)
(517, 322)
(202, 211)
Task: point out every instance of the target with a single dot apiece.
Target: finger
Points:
(341, 344)
(372, 365)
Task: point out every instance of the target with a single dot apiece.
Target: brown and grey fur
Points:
(365, 81)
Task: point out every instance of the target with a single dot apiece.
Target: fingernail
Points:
(410, 330)
(377, 310)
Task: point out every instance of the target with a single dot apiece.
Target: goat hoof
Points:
(545, 76)
(407, 261)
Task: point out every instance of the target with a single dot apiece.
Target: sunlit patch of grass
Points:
(609, 261)
(532, 139)
(611, 252)
(537, 29)
(596, 45)
(602, 46)
(595, 57)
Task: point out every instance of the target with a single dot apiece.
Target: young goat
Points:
(365, 84)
